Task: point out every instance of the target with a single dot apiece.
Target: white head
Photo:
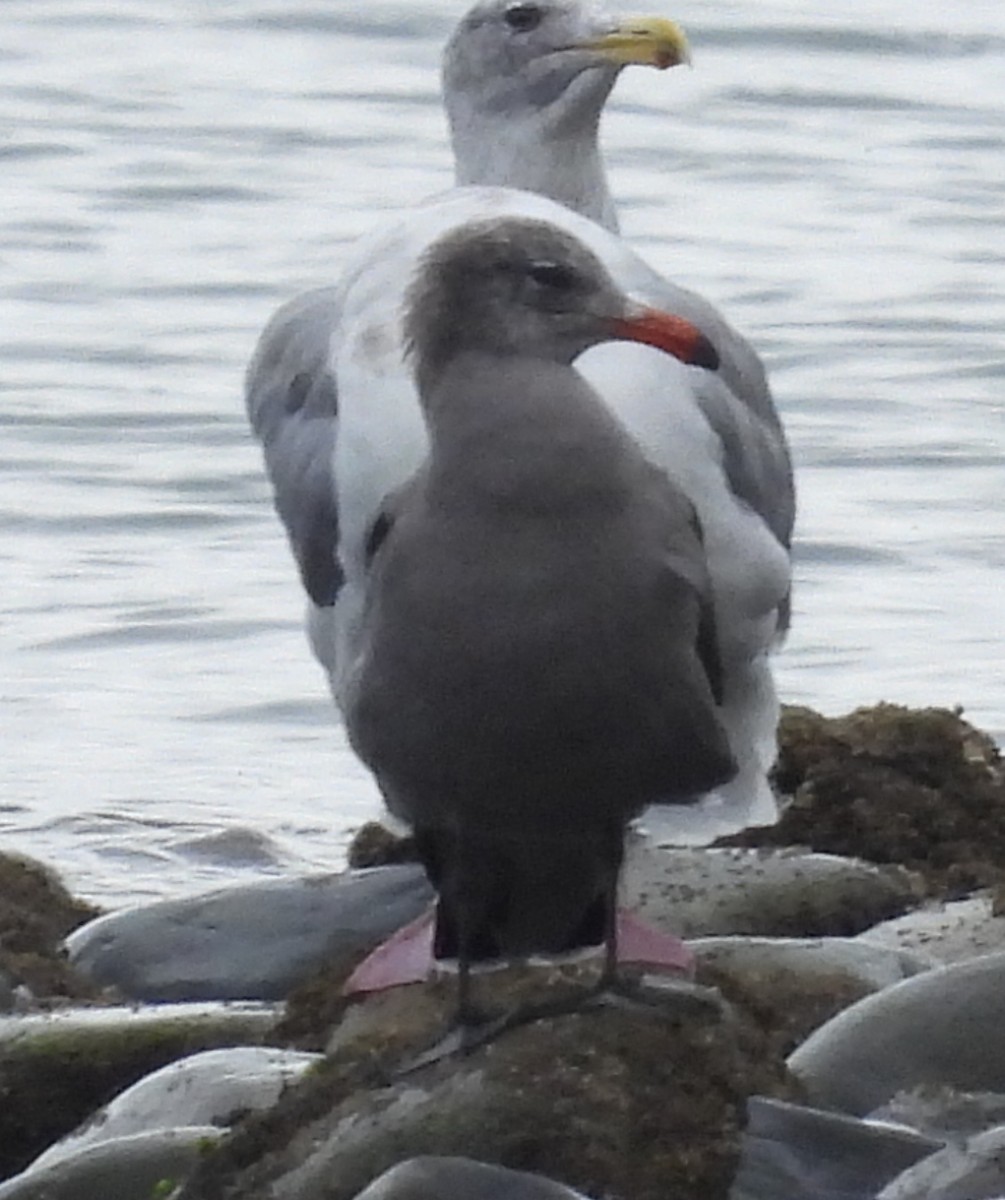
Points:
(524, 84)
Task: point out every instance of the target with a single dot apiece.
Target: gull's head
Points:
(515, 286)
(553, 60)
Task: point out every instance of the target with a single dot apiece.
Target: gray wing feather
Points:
(738, 405)
(292, 404)
(685, 558)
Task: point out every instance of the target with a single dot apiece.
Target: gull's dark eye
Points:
(556, 276)
(522, 18)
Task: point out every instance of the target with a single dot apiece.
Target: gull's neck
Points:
(566, 169)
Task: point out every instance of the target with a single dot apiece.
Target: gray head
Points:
(515, 286)
(524, 83)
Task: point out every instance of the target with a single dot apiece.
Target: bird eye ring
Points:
(522, 18)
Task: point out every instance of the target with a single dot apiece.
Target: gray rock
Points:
(130, 1168)
(972, 1171)
(775, 893)
(850, 959)
(253, 942)
(602, 1097)
(443, 1178)
(795, 1153)
(259, 940)
(212, 1088)
(944, 1113)
(950, 932)
(59, 1067)
(79, 1030)
(941, 1027)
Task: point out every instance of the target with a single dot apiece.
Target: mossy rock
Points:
(36, 913)
(374, 845)
(640, 1099)
(56, 1069)
(918, 787)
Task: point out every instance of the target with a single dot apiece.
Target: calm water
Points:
(172, 170)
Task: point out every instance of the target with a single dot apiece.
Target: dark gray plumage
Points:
(537, 657)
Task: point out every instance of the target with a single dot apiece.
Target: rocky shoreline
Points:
(841, 1035)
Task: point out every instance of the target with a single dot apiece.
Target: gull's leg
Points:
(466, 1015)
(609, 974)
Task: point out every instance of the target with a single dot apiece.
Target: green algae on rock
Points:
(793, 985)
(918, 787)
(36, 913)
(374, 845)
(639, 1099)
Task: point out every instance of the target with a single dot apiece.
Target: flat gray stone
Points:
(854, 960)
(791, 1152)
(944, 1113)
(129, 1168)
(253, 942)
(259, 940)
(943, 1027)
(82, 1030)
(974, 1170)
(444, 1178)
(951, 932)
(775, 893)
(214, 1088)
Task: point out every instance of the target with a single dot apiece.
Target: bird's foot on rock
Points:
(467, 1036)
(454, 1042)
(673, 998)
(407, 955)
(638, 943)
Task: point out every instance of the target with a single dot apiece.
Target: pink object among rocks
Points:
(407, 955)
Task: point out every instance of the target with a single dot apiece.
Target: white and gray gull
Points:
(337, 411)
(536, 659)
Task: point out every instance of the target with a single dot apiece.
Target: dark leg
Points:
(466, 1014)
(609, 974)
(612, 872)
(460, 930)
(468, 909)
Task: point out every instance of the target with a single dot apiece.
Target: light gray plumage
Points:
(338, 418)
(537, 657)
